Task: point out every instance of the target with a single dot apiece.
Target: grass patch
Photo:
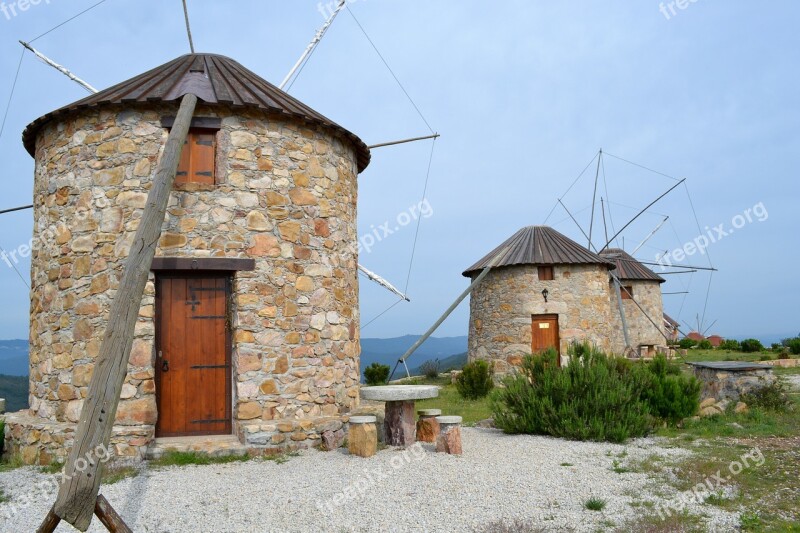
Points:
(52, 468)
(175, 458)
(11, 463)
(114, 474)
(619, 468)
(595, 504)
(3, 496)
(567, 464)
(512, 526)
(451, 403)
(675, 523)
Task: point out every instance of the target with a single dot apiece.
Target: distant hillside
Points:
(14, 358)
(388, 351)
(15, 390)
(454, 362)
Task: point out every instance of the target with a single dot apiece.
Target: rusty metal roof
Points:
(540, 245)
(628, 268)
(215, 79)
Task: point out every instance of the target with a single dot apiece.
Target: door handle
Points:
(165, 366)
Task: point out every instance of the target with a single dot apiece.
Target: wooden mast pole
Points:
(78, 494)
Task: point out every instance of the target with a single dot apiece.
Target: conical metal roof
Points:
(628, 268)
(214, 79)
(540, 245)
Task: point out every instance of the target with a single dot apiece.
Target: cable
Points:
(570, 187)
(390, 69)
(419, 219)
(68, 20)
(303, 66)
(380, 315)
(644, 167)
(10, 96)
(5, 257)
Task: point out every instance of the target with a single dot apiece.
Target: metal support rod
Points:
(575, 221)
(617, 291)
(677, 272)
(382, 282)
(455, 304)
(649, 236)
(314, 42)
(671, 293)
(659, 328)
(59, 68)
(4, 211)
(594, 196)
(640, 213)
(712, 269)
(394, 143)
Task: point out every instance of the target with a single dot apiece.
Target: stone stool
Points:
(449, 439)
(362, 438)
(427, 426)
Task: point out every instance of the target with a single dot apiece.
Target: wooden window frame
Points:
(204, 126)
(546, 273)
(627, 292)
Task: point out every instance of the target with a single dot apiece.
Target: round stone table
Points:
(399, 425)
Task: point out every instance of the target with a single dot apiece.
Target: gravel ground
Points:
(498, 477)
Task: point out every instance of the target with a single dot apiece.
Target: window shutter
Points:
(203, 148)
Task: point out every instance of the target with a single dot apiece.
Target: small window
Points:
(546, 273)
(198, 158)
(627, 292)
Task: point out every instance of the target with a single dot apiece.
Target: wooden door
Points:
(193, 370)
(544, 333)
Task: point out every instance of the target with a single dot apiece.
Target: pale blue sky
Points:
(524, 94)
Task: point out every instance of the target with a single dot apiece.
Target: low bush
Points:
(376, 374)
(430, 369)
(773, 397)
(595, 397)
(687, 343)
(475, 380)
(794, 345)
(672, 395)
(752, 345)
(730, 344)
(705, 344)
(765, 357)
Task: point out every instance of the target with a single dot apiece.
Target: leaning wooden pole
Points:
(78, 494)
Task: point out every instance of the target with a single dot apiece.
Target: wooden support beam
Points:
(109, 517)
(77, 495)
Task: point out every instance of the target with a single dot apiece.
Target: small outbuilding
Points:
(546, 291)
(249, 326)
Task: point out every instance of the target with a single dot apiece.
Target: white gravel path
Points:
(498, 477)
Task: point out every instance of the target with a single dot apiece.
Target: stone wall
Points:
(640, 330)
(286, 196)
(502, 305)
(730, 385)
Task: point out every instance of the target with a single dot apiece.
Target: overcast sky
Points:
(524, 94)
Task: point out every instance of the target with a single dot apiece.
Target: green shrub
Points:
(730, 344)
(594, 397)
(430, 369)
(752, 345)
(595, 504)
(705, 344)
(794, 345)
(475, 380)
(672, 395)
(765, 357)
(687, 343)
(772, 397)
(376, 374)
